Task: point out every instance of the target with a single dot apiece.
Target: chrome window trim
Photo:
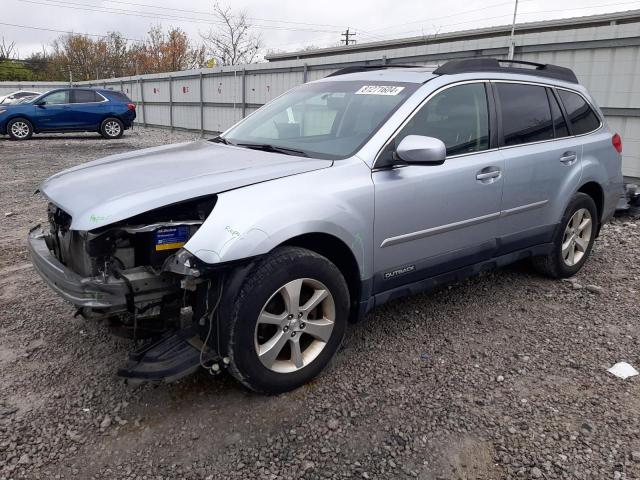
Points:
(487, 80)
(591, 106)
(418, 108)
(540, 84)
(104, 100)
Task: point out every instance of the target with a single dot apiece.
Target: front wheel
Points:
(111, 128)
(20, 129)
(574, 239)
(288, 320)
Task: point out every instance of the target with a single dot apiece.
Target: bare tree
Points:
(234, 42)
(8, 51)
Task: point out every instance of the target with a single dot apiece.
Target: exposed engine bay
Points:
(140, 288)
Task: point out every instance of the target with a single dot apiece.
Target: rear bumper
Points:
(128, 118)
(92, 292)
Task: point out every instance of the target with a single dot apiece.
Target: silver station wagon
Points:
(251, 252)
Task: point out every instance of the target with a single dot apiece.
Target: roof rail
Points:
(366, 68)
(468, 65)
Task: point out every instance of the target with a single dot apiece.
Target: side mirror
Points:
(41, 103)
(421, 150)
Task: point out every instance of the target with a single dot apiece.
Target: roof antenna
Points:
(512, 43)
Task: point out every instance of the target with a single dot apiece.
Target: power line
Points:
(201, 12)
(509, 15)
(431, 19)
(68, 4)
(466, 22)
(325, 38)
(135, 13)
(30, 27)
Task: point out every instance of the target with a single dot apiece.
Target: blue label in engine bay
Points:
(170, 238)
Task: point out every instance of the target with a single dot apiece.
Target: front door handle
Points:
(568, 158)
(488, 175)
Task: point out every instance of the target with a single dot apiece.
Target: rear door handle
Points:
(568, 158)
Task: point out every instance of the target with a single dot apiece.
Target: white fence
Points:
(9, 87)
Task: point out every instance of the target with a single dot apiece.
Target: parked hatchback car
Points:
(253, 251)
(107, 112)
(14, 97)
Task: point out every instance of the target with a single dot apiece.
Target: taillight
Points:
(131, 106)
(616, 141)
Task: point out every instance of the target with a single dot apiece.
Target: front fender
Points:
(253, 220)
(8, 116)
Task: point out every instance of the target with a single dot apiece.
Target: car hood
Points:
(115, 188)
(11, 106)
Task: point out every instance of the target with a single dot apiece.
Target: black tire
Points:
(111, 128)
(554, 265)
(283, 265)
(16, 133)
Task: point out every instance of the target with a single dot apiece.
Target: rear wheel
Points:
(111, 128)
(20, 129)
(288, 320)
(574, 240)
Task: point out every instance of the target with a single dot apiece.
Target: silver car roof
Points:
(420, 75)
(390, 74)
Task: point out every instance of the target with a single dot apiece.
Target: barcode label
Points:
(379, 90)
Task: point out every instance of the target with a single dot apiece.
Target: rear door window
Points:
(583, 119)
(526, 116)
(119, 97)
(84, 96)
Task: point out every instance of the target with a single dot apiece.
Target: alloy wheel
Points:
(20, 129)
(577, 236)
(294, 325)
(112, 129)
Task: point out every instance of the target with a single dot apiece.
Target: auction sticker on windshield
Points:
(379, 90)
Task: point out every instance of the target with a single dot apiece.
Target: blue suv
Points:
(107, 112)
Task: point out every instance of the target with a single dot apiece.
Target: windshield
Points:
(330, 120)
(38, 96)
(25, 100)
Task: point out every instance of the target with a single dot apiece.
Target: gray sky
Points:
(285, 24)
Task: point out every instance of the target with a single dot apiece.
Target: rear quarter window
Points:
(581, 116)
(119, 97)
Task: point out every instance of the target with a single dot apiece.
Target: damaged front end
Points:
(136, 275)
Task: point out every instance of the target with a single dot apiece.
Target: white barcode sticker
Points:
(379, 90)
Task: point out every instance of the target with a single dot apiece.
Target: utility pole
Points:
(347, 41)
(70, 76)
(512, 41)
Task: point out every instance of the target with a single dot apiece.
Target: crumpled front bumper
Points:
(91, 292)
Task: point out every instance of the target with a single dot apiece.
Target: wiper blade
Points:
(220, 139)
(266, 147)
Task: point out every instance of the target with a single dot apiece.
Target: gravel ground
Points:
(502, 376)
